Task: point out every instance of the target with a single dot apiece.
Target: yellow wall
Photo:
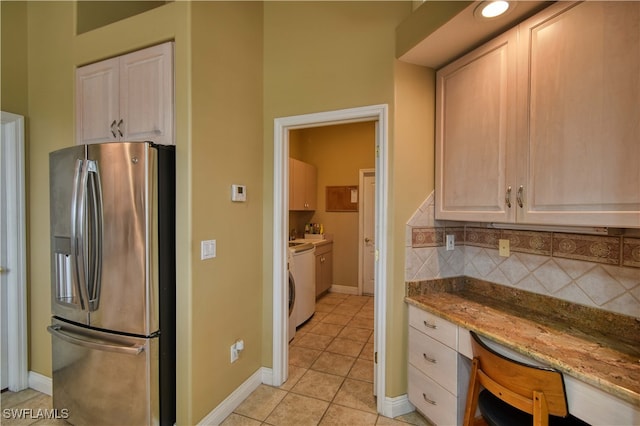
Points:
(338, 152)
(14, 57)
(412, 182)
(218, 134)
(226, 149)
(322, 56)
(239, 65)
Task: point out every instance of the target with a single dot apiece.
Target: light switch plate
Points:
(207, 249)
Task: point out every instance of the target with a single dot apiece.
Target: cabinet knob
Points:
(507, 197)
(426, 324)
(428, 359)
(113, 132)
(120, 124)
(519, 196)
(430, 401)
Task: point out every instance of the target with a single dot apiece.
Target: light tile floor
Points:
(330, 373)
(330, 378)
(28, 407)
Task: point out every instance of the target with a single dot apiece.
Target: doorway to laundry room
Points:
(338, 342)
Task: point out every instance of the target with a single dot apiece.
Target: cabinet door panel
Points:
(146, 93)
(475, 127)
(97, 102)
(581, 137)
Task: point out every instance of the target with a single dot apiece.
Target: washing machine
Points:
(302, 269)
(292, 303)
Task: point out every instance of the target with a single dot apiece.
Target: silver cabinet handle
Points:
(430, 401)
(83, 341)
(426, 324)
(113, 132)
(119, 130)
(519, 196)
(431, 360)
(507, 197)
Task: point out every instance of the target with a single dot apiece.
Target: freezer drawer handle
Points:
(57, 331)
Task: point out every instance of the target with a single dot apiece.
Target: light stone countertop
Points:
(602, 350)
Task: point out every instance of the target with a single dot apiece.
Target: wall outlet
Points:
(234, 353)
(451, 242)
(503, 248)
(207, 249)
(235, 349)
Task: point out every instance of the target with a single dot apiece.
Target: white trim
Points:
(379, 114)
(344, 289)
(40, 383)
(398, 406)
(267, 376)
(13, 127)
(361, 175)
(226, 407)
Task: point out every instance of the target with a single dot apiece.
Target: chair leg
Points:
(472, 395)
(540, 409)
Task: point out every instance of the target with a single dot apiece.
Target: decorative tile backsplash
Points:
(592, 270)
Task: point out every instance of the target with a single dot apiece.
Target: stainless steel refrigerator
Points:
(113, 283)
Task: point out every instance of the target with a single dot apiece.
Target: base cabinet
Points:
(324, 268)
(438, 376)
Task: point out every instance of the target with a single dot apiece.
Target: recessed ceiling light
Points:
(491, 9)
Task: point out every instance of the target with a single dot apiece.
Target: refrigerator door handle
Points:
(77, 232)
(101, 345)
(94, 272)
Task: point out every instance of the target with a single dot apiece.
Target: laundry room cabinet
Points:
(540, 125)
(324, 267)
(303, 181)
(130, 97)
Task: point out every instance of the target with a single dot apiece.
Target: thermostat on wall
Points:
(238, 193)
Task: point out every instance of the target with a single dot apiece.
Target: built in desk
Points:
(597, 351)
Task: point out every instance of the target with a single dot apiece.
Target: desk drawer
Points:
(434, 359)
(434, 326)
(431, 399)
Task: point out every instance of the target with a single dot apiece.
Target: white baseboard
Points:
(226, 407)
(267, 376)
(40, 383)
(398, 406)
(344, 289)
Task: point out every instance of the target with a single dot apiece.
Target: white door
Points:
(13, 295)
(4, 343)
(367, 239)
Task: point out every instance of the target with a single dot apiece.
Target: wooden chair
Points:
(514, 393)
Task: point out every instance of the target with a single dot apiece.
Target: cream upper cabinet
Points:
(572, 157)
(475, 132)
(302, 185)
(580, 101)
(127, 98)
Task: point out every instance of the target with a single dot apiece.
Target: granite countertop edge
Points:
(431, 304)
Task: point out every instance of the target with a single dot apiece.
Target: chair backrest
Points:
(512, 379)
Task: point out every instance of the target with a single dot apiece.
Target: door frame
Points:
(14, 164)
(361, 175)
(282, 126)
